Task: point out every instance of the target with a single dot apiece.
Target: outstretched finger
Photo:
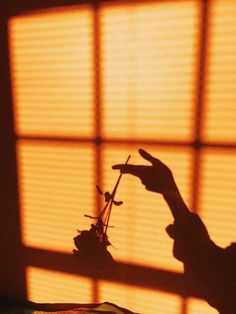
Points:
(135, 170)
(155, 162)
(147, 156)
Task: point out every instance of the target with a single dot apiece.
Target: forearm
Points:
(176, 203)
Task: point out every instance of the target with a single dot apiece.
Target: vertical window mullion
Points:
(199, 107)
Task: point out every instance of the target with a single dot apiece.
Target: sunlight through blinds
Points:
(140, 300)
(221, 97)
(196, 306)
(51, 61)
(148, 69)
(55, 183)
(218, 195)
(46, 286)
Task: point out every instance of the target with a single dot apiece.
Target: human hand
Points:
(157, 177)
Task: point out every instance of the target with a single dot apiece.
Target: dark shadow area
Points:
(12, 270)
(20, 7)
(130, 274)
(17, 307)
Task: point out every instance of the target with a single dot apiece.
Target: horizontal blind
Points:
(218, 199)
(221, 96)
(140, 300)
(196, 306)
(148, 65)
(52, 72)
(46, 286)
(56, 188)
(218, 195)
(148, 69)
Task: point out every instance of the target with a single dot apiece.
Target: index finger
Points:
(155, 161)
(147, 156)
(135, 170)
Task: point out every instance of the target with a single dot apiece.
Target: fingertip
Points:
(146, 155)
(118, 167)
(141, 151)
(170, 230)
(114, 167)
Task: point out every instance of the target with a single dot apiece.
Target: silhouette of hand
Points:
(157, 177)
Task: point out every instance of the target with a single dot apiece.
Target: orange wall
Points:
(90, 87)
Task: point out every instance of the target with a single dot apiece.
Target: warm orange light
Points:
(140, 300)
(196, 306)
(56, 188)
(221, 97)
(218, 195)
(148, 69)
(52, 72)
(147, 66)
(46, 286)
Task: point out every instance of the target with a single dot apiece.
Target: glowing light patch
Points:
(148, 69)
(46, 286)
(56, 188)
(140, 300)
(52, 72)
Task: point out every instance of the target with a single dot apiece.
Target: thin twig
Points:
(113, 196)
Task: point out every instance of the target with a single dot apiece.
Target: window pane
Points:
(45, 286)
(200, 307)
(218, 195)
(139, 224)
(56, 189)
(140, 300)
(221, 98)
(148, 69)
(51, 61)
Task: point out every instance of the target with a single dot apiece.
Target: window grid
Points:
(196, 144)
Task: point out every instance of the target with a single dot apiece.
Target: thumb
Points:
(171, 230)
(147, 156)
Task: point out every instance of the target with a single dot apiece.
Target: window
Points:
(92, 84)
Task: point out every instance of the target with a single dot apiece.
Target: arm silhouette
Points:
(209, 270)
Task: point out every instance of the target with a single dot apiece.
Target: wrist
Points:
(172, 192)
(176, 203)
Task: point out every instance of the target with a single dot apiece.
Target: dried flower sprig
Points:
(96, 239)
